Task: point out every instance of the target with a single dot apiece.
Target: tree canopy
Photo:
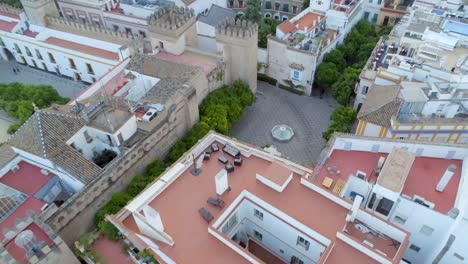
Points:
(253, 11)
(327, 73)
(340, 68)
(267, 27)
(14, 3)
(17, 100)
(342, 120)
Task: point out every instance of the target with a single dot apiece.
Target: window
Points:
(426, 230)
(267, 5)
(72, 63)
(28, 51)
(384, 206)
(365, 89)
(366, 15)
(399, 219)
(303, 242)
(258, 214)
(414, 248)
(44, 66)
(93, 79)
(51, 57)
(371, 201)
(379, 2)
(88, 138)
(294, 9)
(370, 1)
(229, 224)
(1, 42)
(38, 54)
(296, 260)
(142, 33)
(285, 8)
(89, 68)
(231, 4)
(258, 235)
(116, 27)
(17, 48)
(374, 18)
(277, 6)
(34, 63)
(241, 4)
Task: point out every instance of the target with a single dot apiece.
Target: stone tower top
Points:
(171, 20)
(37, 10)
(237, 29)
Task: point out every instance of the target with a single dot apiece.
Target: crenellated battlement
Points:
(237, 29)
(170, 19)
(89, 30)
(10, 10)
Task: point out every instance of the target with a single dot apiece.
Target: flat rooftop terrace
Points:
(178, 206)
(83, 48)
(28, 180)
(422, 179)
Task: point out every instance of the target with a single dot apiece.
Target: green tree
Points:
(14, 3)
(343, 88)
(336, 57)
(342, 120)
(305, 4)
(17, 100)
(327, 74)
(253, 11)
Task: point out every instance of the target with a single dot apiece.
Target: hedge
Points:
(264, 78)
(218, 111)
(290, 89)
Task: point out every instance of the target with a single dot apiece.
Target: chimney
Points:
(445, 179)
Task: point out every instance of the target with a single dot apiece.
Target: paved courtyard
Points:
(307, 116)
(27, 75)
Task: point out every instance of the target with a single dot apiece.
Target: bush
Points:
(109, 230)
(118, 200)
(103, 158)
(264, 78)
(342, 120)
(290, 89)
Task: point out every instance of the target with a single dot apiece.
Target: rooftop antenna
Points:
(197, 165)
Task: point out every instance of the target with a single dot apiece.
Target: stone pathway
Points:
(307, 116)
(28, 75)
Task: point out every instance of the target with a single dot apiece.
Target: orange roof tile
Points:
(287, 27)
(308, 21)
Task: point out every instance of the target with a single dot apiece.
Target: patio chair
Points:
(216, 202)
(206, 214)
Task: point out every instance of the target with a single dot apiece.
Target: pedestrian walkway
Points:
(28, 75)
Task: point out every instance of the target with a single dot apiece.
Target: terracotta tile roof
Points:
(308, 21)
(83, 48)
(381, 104)
(287, 27)
(45, 135)
(6, 154)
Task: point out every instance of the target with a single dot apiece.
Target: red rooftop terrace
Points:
(261, 208)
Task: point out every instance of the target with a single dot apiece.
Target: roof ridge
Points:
(41, 132)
